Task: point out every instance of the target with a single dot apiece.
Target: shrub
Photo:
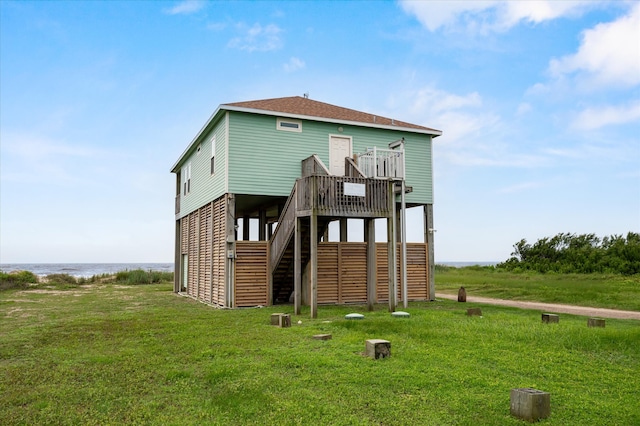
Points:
(61, 279)
(17, 279)
(443, 268)
(571, 253)
(139, 276)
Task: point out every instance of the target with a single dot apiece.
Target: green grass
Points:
(115, 354)
(595, 290)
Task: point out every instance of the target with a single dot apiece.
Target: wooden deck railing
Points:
(283, 231)
(382, 163)
(342, 196)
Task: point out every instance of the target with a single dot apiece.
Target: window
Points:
(186, 179)
(289, 125)
(213, 154)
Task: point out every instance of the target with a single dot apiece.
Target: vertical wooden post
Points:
(262, 225)
(370, 238)
(297, 265)
(391, 244)
(177, 259)
(428, 238)
(325, 234)
(245, 227)
(230, 245)
(313, 263)
(343, 230)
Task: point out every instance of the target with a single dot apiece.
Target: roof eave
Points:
(211, 119)
(432, 132)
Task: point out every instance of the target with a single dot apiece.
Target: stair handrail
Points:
(351, 169)
(283, 232)
(313, 165)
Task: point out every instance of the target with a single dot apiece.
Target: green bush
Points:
(17, 279)
(140, 276)
(61, 279)
(583, 254)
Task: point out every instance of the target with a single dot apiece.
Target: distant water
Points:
(83, 269)
(463, 264)
(90, 269)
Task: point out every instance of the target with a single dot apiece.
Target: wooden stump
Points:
(322, 337)
(462, 295)
(284, 320)
(549, 318)
(530, 404)
(378, 348)
(595, 322)
(474, 312)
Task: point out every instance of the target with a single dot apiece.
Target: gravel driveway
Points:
(549, 307)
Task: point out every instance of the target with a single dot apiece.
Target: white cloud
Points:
(294, 64)
(440, 101)
(35, 159)
(523, 109)
(608, 55)
(472, 134)
(257, 38)
(490, 15)
(186, 7)
(595, 118)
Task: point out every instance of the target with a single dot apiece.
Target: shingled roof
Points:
(308, 108)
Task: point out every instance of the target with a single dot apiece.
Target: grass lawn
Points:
(596, 290)
(140, 354)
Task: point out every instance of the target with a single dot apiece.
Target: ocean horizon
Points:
(88, 270)
(85, 270)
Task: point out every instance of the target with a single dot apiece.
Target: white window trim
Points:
(187, 180)
(280, 126)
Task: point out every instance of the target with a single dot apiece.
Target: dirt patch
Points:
(550, 307)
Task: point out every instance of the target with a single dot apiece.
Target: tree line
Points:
(571, 253)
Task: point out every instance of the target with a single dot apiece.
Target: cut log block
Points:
(550, 318)
(595, 322)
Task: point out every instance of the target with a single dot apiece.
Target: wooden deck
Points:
(342, 196)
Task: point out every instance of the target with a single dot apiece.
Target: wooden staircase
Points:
(282, 274)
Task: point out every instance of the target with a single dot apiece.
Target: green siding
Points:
(266, 161)
(205, 187)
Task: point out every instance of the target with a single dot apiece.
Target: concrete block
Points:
(284, 320)
(595, 322)
(530, 404)
(275, 319)
(474, 312)
(550, 318)
(378, 348)
(322, 337)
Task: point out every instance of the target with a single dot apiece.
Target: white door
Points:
(185, 271)
(339, 148)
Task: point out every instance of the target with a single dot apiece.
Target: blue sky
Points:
(539, 102)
